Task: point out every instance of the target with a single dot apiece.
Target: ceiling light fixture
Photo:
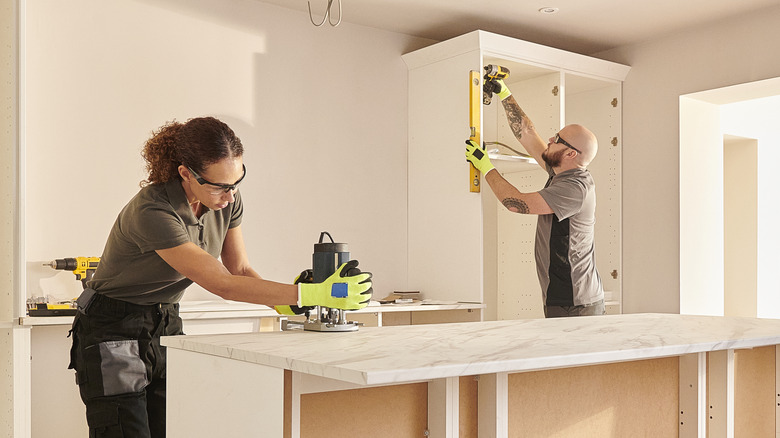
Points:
(548, 10)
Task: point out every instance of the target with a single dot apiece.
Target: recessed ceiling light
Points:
(548, 10)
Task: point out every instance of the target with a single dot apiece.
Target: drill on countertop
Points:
(82, 267)
(492, 72)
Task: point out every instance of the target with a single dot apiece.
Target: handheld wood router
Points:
(327, 258)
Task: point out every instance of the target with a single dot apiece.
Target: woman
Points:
(187, 213)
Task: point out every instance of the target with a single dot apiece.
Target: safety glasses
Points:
(558, 139)
(215, 188)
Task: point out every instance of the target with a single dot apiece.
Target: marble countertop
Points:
(400, 354)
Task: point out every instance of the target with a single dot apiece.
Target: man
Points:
(566, 209)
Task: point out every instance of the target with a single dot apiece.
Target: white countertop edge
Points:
(202, 310)
(539, 364)
(404, 376)
(302, 366)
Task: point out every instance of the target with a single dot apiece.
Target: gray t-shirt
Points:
(158, 217)
(565, 247)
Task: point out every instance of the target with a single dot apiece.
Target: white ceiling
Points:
(582, 26)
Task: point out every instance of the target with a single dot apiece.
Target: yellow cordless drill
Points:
(82, 267)
(492, 71)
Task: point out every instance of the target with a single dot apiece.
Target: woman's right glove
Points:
(306, 276)
(347, 289)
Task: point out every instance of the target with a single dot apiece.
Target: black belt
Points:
(91, 298)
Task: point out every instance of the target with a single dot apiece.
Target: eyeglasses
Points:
(214, 188)
(558, 139)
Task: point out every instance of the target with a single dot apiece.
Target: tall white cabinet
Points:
(465, 246)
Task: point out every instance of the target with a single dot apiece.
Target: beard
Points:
(555, 159)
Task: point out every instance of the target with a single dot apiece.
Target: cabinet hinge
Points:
(614, 102)
(614, 141)
(555, 91)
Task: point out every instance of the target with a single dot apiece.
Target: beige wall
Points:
(735, 51)
(321, 113)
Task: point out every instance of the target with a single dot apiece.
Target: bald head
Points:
(585, 141)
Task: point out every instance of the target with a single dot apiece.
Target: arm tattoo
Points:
(518, 121)
(516, 205)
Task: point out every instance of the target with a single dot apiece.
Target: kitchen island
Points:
(610, 375)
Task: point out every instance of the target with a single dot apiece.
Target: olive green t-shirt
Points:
(158, 217)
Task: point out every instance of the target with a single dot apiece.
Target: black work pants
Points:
(120, 366)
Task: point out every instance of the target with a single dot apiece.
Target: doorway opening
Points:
(729, 144)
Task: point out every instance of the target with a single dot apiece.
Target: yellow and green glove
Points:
(478, 157)
(306, 276)
(498, 87)
(347, 289)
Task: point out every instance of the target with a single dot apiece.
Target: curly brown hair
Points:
(196, 144)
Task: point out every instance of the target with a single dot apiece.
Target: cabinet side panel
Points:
(445, 219)
(594, 109)
(212, 396)
(57, 409)
(8, 139)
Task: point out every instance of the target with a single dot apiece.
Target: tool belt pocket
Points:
(107, 354)
(113, 368)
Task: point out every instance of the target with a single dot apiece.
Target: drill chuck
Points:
(493, 71)
(67, 264)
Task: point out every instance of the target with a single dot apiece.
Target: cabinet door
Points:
(444, 219)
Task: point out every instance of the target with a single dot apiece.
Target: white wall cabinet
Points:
(465, 246)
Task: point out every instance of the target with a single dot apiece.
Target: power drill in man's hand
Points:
(493, 74)
(82, 267)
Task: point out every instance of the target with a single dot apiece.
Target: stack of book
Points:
(402, 297)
